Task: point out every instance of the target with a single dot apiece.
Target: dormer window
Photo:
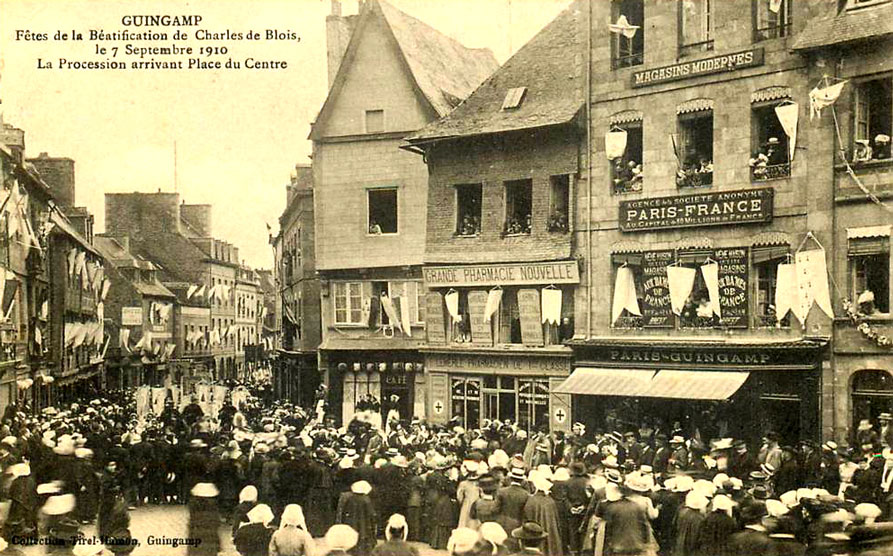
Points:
(374, 121)
(513, 98)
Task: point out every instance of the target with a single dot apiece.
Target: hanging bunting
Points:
(192, 289)
(124, 338)
(44, 310)
(623, 27)
(550, 300)
(823, 96)
(494, 299)
(452, 304)
(615, 143)
(681, 281)
(405, 320)
(812, 283)
(38, 336)
(788, 115)
(624, 294)
(391, 312)
(106, 284)
(710, 272)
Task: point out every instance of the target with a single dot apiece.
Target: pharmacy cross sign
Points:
(560, 415)
(438, 407)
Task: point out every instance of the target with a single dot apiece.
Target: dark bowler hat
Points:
(530, 531)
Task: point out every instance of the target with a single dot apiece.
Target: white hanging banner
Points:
(785, 289)
(550, 301)
(191, 291)
(788, 114)
(124, 338)
(405, 321)
(823, 97)
(615, 144)
(622, 27)
(812, 283)
(710, 272)
(158, 395)
(624, 294)
(681, 281)
(775, 6)
(452, 304)
(391, 312)
(494, 298)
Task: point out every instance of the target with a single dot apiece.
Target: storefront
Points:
(471, 386)
(295, 377)
(736, 389)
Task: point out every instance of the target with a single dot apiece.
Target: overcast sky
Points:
(238, 133)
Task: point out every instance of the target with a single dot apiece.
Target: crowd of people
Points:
(288, 482)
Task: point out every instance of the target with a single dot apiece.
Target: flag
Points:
(788, 115)
(38, 336)
(452, 304)
(681, 280)
(615, 143)
(785, 290)
(624, 294)
(822, 97)
(710, 272)
(775, 6)
(44, 310)
(622, 27)
(80, 334)
(494, 298)
(201, 292)
(79, 262)
(812, 283)
(124, 338)
(106, 284)
(192, 289)
(165, 311)
(550, 304)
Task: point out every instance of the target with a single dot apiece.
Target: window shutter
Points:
(868, 246)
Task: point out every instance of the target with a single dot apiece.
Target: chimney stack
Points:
(338, 30)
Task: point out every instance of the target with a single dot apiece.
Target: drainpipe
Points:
(588, 228)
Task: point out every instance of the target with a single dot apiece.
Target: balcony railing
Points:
(695, 47)
(628, 60)
(694, 178)
(773, 172)
(772, 32)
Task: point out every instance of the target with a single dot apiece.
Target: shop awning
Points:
(642, 383)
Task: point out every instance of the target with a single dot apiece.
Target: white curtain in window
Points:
(615, 144)
(710, 272)
(788, 114)
(624, 294)
(785, 289)
(681, 281)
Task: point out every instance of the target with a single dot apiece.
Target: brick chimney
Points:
(58, 173)
(14, 139)
(338, 30)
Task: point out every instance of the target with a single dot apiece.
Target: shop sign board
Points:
(513, 274)
(435, 324)
(695, 68)
(531, 324)
(131, 316)
(656, 309)
(499, 363)
(480, 329)
(744, 206)
(733, 265)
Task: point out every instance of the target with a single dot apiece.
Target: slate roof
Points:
(550, 66)
(444, 71)
(848, 26)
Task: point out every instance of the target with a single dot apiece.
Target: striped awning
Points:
(695, 105)
(626, 116)
(770, 93)
(643, 383)
(868, 232)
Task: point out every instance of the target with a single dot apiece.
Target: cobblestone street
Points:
(170, 522)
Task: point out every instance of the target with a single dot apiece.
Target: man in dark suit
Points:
(530, 537)
(512, 500)
(578, 495)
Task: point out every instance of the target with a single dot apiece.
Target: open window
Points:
(695, 26)
(559, 203)
(468, 209)
(460, 329)
(765, 265)
(694, 149)
(627, 42)
(374, 121)
(627, 318)
(771, 19)
(869, 262)
(698, 310)
(873, 120)
(770, 155)
(382, 205)
(626, 170)
(509, 318)
(518, 206)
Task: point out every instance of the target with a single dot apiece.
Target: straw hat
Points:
(463, 539)
(493, 532)
(696, 501)
(204, 490)
(361, 487)
(59, 505)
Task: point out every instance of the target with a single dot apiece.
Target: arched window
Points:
(872, 394)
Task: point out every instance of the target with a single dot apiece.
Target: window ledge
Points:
(467, 236)
(856, 6)
(390, 234)
(867, 165)
(522, 234)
